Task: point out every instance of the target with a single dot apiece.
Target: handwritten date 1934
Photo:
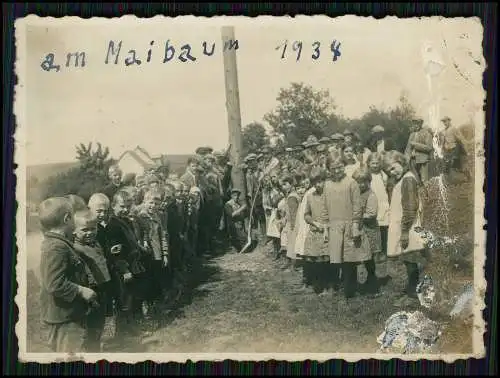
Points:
(298, 48)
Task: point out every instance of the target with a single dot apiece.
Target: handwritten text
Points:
(315, 49)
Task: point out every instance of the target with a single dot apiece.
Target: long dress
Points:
(343, 202)
(315, 246)
(416, 241)
(301, 225)
(274, 224)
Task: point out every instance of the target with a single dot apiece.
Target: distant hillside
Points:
(43, 171)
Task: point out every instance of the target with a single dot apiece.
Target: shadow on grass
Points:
(203, 271)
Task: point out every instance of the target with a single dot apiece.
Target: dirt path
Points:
(250, 305)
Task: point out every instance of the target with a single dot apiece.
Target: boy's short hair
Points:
(98, 198)
(85, 216)
(114, 168)
(289, 179)
(121, 194)
(374, 156)
(334, 162)
(77, 202)
(317, 175)
(153, 194)
(52, 211)
(178, 185)
(362, 175)
(393, 156)
(169, 187)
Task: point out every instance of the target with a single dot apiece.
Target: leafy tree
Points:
(254, 137)
(301, 111)
(90, 176)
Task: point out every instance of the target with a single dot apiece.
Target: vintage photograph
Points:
(249, 188)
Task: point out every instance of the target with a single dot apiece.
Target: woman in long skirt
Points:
(404, 242)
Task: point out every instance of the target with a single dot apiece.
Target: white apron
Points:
(416, 241)
(301, 225)
(273, 225)
(378, 186)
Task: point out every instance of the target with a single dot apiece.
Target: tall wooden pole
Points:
(233, 106)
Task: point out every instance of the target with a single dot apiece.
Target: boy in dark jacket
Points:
(66, 297)
(118, 252)
(91, 253)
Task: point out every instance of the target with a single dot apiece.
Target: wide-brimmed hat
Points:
(250, 157)
(311, 141)
(288, 149)
(377, 129)
(337, 137)
(235, 190)
(321, 147)
(204, 150)
(348, 132)
(298, 147)
(417, 121)
(325, 140)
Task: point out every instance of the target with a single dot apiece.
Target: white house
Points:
(135, 161)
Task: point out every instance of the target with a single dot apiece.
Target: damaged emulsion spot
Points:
(409, 332)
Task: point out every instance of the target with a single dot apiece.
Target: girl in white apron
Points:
(379, 187)
(404, 241)
(273, 222)
(292, 205)
(300, 224)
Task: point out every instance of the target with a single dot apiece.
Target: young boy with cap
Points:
(65, 296)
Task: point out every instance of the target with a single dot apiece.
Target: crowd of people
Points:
(325, 207)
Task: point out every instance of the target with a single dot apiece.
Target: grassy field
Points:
(245, 303)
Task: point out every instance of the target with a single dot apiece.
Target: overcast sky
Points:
(174, 107)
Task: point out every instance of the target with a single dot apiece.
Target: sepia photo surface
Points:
(249, 188)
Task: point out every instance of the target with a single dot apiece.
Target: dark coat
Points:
(62, 272)
(116, 232)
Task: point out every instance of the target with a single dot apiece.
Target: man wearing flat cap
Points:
(310, 152)
(419, 149)
(335, 149)
(454, 151)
